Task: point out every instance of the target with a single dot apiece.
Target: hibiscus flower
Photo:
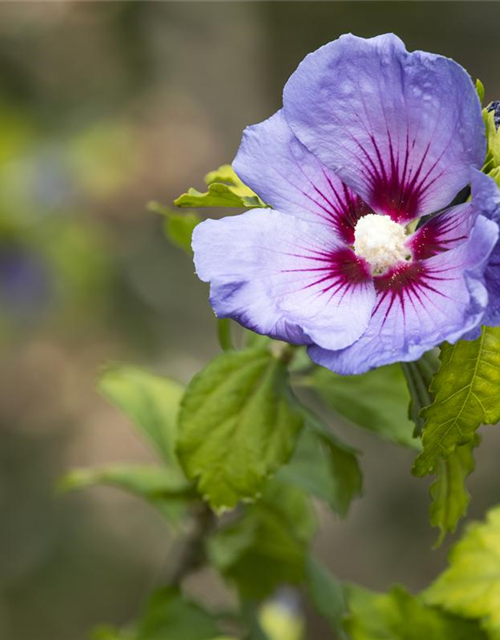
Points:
(362, 257)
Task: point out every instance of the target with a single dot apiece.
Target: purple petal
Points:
(419, 305)
(490, 207)
(442, 232)
(447, 230)
(401, 129)
(273, 163)
(492, 281)
(284, 277)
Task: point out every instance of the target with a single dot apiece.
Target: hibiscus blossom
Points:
(359, 258)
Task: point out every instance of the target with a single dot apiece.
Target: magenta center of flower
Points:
(381, 242)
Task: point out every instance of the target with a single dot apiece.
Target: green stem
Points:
(306, 381)
(418, 376)
(224, 334)
(283, 351)
(188, 554)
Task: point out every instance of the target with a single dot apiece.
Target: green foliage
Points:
(480, 90)
(178, 227)
(110, 633)
(151, 402)
(225, 189)
(257, 340)
(218, 195)
(449, 494)
(162, 487)
(377, 401)
(168, 615)
(268, 545)
(149, 482)
(326, 467)
(495, 174)
(398, 615)
(328, 597)
(238, 424)
(470, 587)
(466, 395)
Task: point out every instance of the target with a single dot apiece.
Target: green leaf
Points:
(480, 90)
(151, 402)
(267, 546)
(401, 616)
(301, 362)
(449, 494)
(255, 340)
(225, 174)
(178, 227)
(238, 424)
(162, 487)
(327, 595)
(377, 401)
(170, 616)
(466, 395)
(148, 481)
(218, 195)
(326, 467)
(470, 587)
(110, 633)
(495, 174)
(225, 189)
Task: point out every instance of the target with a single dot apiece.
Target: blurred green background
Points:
(103, 107)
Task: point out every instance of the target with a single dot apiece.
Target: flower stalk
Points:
(418, 376)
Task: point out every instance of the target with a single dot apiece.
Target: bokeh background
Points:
(103, 107)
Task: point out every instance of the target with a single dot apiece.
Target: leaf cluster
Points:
(235, 439)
